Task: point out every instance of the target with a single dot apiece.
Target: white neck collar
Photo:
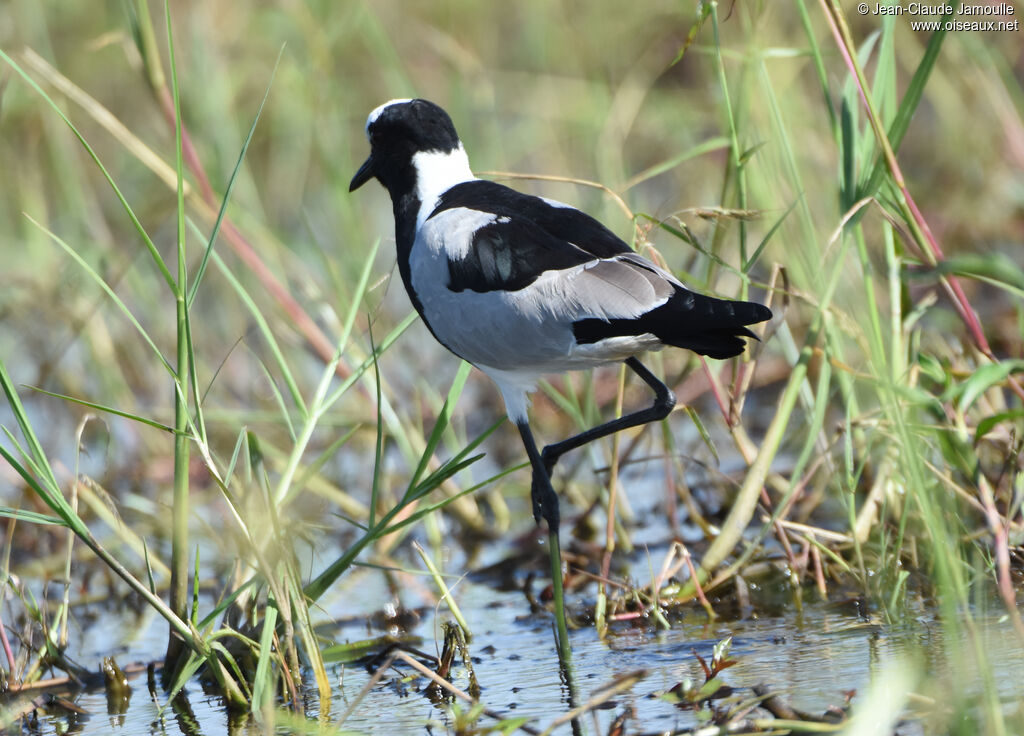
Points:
(436, 173)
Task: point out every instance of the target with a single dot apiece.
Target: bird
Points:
(522, 286)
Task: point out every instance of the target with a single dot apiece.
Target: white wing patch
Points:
(449, 234)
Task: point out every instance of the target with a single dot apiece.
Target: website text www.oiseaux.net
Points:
(935, 17)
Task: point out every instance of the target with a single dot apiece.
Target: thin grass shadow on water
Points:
(210, 378)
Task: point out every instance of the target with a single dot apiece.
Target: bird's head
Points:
(398, 131)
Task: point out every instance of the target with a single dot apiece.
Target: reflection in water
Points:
(119, 692)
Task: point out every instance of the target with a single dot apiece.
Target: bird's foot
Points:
(545, 502)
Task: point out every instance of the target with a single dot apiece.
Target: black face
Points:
(398, 133)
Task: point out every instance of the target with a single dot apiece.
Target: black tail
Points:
(703, 324)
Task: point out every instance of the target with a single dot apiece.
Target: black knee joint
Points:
(664, 403)
(549, 458)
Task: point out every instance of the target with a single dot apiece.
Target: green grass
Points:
(863, 178)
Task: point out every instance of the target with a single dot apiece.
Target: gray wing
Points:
(622, 287)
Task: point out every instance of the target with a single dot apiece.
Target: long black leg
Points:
(545, 502)
(664, 401)
(545, 505)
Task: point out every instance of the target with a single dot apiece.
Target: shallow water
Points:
(813, 659)
(813, 655)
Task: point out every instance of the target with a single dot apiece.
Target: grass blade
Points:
(150, 245)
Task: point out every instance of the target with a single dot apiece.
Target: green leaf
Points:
(909, 103)
(997, 268)
(933, 368)
(231, 185)
(353, 651)
(987, 424)
(704, 434)
(263, 681)
(105, 409)
(707, 146)
(768, 236)
(441, 424)
(987, 376)
(266, 333)
(109, 292)
(32, 517)
(708, 689)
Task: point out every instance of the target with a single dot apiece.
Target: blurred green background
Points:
(735, 134)
(580, 89)
(591, 90)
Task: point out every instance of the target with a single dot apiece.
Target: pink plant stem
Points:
(959, 298)
(998, 526)
(7, 649)
(716, 391)
(298, 316)
(833, 13)
(995, 522)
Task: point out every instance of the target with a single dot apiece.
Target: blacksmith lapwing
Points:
(521, 286)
